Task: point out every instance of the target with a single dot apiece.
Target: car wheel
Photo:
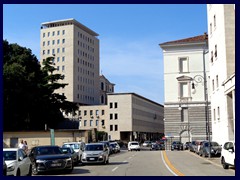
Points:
(224, 164)
(30, 171)
(34, 169)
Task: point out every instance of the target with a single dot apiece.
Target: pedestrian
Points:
(26, 146)
(21, 144)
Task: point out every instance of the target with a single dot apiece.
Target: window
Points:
(102, 86)
(218, 113)
(58, 59)
(214, 114)
(80, 123)
(97, 112)
(214, 21)
(48, 43)
(43, 43)
(85, 112)
(48, 34)
(184, 89)
(91, 112)
(213, 84)
(211, 56)
(53, 33)
(43, 52)
(96, 122)
(115, 105)
(48, 51)
(63, 41)
(116, 127)
(85, 122)
(184, 115)
(111, 105)
(217, 81)
(53, 51)
(103, 122)
(57, 68)
(63, 32)
(210, 28)
(58, 32)
(111, 127)
(116, 116)
(183, 64)
(103, 112)
(63, 50)
(58, 50)
(53, 42)
(43, 34)
(79, 113)
(58, 41)
(215, 51)
(63, 68)
(111, 116)
(91, 122)
(63, 58)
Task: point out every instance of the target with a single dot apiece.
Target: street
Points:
(153, 163)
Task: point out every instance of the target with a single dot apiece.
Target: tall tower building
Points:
(76, 51)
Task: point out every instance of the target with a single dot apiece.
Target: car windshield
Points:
(10, 155)
(48, 150)
(94, 147)
(134, 143)
(212, 144)
(74, 146)
(66, 150)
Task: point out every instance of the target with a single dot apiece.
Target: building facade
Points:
(221, 30)
(75, 49)
(186, 76)
(105, 87)
(126, 117)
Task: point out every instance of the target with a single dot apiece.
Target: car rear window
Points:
(134, 143)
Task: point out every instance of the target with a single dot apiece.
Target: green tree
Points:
(29, 98)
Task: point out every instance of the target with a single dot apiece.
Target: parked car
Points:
(199, 144)
(177, 145)
(147, 144)
(193, 146)
(133, 145)
(186, 145)
(228, 155)
(17, 161)
(4, 168)
(205, 149)
(77, 147)
(95, 153)
(49, 158)
(156, 146)
(70, 151)
(107, 143)
(115, 147)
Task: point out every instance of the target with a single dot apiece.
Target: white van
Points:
(77, 146)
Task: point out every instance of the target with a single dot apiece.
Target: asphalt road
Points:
(153, 163)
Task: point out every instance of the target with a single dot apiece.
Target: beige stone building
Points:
(105, 87)
(127, 116)
(76, 51)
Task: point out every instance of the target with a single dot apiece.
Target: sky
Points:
(129, 36)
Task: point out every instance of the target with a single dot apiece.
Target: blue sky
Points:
(129, 35)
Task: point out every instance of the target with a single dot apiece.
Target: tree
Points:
(30, 100)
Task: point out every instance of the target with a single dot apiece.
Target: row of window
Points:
(115, 105)
(215, 54)
(87, 47)
(84, 37)
(211, 26)
(53, 33)
(216, 116)
(85, 112)
(115, 116)
(213, 83)
(86, 81)
(86, 98)
(86, 55)
(91, 123)
(116, 127)
(53, 42)
(53, 51)
(85, 63)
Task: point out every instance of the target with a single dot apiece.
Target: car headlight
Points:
(69, 159)
(40, 161)
(10, 168)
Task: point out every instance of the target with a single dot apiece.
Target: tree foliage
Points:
(30, 98)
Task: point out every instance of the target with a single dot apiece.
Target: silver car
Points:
(95, 153)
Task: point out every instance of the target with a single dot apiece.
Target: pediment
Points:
(184, 78)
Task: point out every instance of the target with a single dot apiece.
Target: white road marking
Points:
(114, 168)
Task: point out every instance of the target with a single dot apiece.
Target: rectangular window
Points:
(63, 58)
(48, 43)
(211, 56)
(57, 68)
(48, 34)
(85, 122)
(58, 41)
(79, 113)
(53, 42)
(217, 81)
(213, 85)
(215, 51)
(43, 43)
(91, 122)
(58, 50)
(111, 116)
(214, 114)
(111, 105)
(91, 112)
(96, 122)
(58, 32)
(53, 51)
(97, 112)
(116, 116)
(218, 113)
(63, 50)
(103, 122)
(43, 34)
(43, 52)
(116, 127)
(103, 112)
(183, 64)
(214, 21)
(58, 59)
(184, 115)
(111, 127)
(63, 41)
(63, 68)
(115, 105)
(184, 89)
(48, 51)
(63, 32)
(210, 28)
(85, 112)
(53, 33)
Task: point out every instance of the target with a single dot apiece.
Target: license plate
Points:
(91, 159)
(56, 165)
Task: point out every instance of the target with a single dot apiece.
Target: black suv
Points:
(177, 145)
(49, 158)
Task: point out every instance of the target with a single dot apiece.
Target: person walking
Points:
(26, 146)
(21, 145)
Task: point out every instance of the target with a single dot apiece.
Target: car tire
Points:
(224, 164)
(18, 173)
(34, 169)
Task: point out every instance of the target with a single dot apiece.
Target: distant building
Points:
(186, 112)
(105, 87)
(76, 51)
(221, 30)
(127, 116)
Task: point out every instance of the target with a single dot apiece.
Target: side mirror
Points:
(20, 158)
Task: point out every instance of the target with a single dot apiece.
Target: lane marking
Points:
(114, 168)
(125, 161)
(169, 165)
